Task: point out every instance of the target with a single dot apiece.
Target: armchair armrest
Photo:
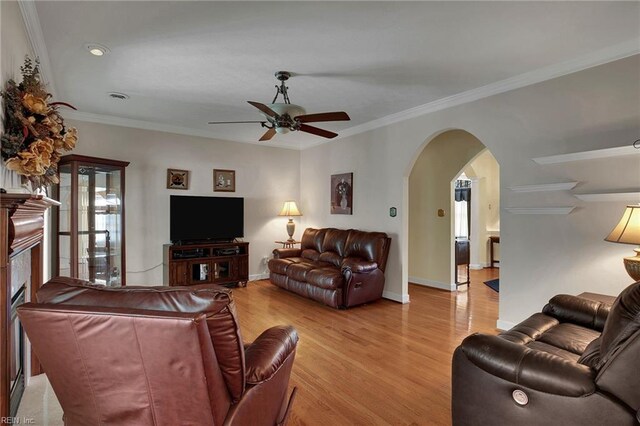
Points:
(283, 253)
(527, 367)
(358, 265)
(268, 352)
(576, 310)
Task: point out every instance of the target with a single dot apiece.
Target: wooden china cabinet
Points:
(90, 221)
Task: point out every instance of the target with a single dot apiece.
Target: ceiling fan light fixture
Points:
(282, 130)
(292, 110)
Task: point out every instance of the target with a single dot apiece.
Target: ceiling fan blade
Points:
(264, 108)
(324, 116)
(317, 131)
(268, 135)
(235, 122)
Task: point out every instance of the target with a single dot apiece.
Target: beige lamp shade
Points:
(290, 209)
(628, 232)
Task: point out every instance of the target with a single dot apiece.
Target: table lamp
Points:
(628, 232)
(290, 209)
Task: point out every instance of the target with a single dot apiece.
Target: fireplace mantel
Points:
(21, 230)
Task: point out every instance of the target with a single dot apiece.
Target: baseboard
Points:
(504, 325)
(434, 284)
(402, 298)
(477, 266)
(256, 277)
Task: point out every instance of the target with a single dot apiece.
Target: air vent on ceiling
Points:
(119, 96)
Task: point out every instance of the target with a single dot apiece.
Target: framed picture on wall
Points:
(177, 179)
(224, 180)
(342, 193)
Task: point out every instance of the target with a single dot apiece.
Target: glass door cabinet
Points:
(90, 232)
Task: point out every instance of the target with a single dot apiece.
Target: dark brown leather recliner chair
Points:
(157, 356)
(576, 363)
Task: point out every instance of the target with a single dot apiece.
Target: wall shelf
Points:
(610, 196)
(588, 155)
(562, 186)
(540, 210)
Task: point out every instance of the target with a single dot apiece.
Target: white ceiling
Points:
(186, 63)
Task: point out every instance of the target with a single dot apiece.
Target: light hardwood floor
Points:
(383, 363)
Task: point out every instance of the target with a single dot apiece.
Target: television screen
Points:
(195, 218)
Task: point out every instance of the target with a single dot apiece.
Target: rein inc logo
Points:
(17, 421)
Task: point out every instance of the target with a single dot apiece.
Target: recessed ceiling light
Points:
(118, 96)
(97, 49)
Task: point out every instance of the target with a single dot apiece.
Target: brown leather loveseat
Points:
(576, 363)
(157, 356)
(340, 268)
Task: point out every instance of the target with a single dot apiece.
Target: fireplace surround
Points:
(21, 274)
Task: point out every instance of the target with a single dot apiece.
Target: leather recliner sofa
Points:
(157, 356)
(340, 268)
(576, 363)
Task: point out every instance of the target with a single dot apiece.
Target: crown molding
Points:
(598, 57)
(36, 38)
(159, 127)
(596, 154)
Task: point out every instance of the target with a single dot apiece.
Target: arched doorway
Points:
(431, 232)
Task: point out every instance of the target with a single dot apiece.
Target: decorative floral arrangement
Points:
(34, 132)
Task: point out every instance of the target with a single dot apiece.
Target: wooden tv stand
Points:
(206, 263)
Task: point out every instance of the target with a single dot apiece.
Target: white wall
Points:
(542, 255)
(14, 45)
(265, 177)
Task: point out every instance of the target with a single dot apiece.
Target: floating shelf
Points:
(588, 155)
(563, 186)
(540, 210)
(610, 196)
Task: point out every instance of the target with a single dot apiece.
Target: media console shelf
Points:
(207, 263)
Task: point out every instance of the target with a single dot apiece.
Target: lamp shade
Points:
(290, 209)
(627, 231)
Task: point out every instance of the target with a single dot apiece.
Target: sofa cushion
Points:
(329, 278)
(331, 258)
(298, 271)
(215, 301)
(312, 239)
(553, 350)
(366, 245)
(279, 266)
(310, 254)
(622, 323)
(570, 337)
(335, 241)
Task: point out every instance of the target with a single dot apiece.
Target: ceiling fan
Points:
(283, 117)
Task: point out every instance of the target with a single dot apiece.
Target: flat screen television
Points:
(194, 218)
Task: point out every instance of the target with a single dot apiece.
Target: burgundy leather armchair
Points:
(576, 363)
(340, 268)
(157, 356)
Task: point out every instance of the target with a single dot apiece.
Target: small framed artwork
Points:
(177, 179)
(224, 180)
(342, 193)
